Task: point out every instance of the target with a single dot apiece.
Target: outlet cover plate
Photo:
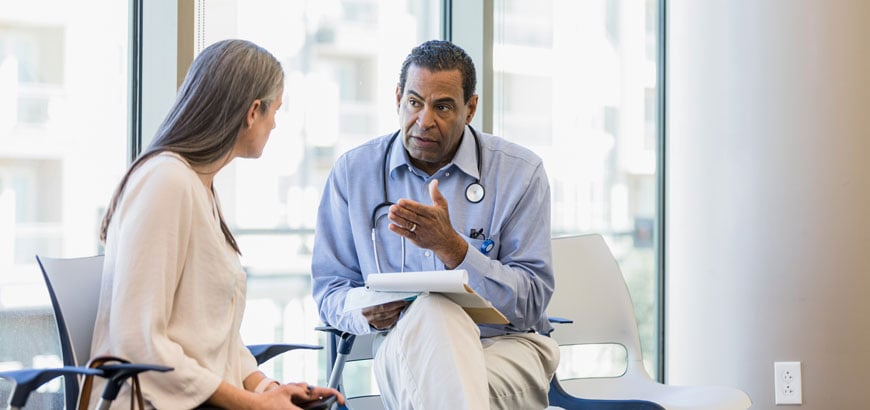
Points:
(787, 382)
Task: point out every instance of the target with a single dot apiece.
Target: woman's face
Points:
(252, 138)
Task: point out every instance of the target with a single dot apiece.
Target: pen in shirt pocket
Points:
(488, 244)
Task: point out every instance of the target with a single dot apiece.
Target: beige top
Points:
(173, 290)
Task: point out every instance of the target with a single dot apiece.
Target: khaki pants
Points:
(434, 359)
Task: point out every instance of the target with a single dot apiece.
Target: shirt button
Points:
(428, 254)
(446, 174)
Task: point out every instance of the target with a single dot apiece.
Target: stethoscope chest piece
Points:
(474, 192)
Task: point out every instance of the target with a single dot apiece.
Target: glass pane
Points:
(576, 82)
(63, 143)
(342, 61)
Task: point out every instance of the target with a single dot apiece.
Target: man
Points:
(497, 228)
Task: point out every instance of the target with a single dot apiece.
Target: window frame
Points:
(469, 23)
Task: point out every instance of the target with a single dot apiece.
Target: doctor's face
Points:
(432, 116)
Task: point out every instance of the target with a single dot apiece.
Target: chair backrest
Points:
(591, 290)
(74, 287)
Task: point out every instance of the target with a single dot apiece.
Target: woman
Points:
(173, 290)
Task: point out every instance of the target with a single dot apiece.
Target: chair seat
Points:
(671, 397)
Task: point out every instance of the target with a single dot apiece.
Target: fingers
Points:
(384, 316)
(406, 216)
(409, 215)
(435, 194)
(326, 392)
(301, 393)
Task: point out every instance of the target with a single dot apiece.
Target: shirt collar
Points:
(465, 158)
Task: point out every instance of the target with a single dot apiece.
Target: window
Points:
(576, 82)
(573, 81)
(63, 127)
(342, 62)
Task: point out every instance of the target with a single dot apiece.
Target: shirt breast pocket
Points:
(485, 246)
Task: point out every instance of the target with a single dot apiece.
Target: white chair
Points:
(345, 348)
(591, 291)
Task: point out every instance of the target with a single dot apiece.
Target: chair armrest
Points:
(329, 329)
(118, 373)
(28, 380)
(263, 352)
(344, 341)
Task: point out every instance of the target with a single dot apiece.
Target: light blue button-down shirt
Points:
(516, 276)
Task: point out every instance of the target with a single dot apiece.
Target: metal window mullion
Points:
(134, 71)
(471, 27)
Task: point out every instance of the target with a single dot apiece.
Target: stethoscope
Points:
(474, 193)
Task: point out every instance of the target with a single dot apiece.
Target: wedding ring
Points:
(413, 227)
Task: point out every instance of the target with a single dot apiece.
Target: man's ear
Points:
(252, 113)
(472, 108)
(398, 98)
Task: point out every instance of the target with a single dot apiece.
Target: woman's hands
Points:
(294, 396)
(291, 396)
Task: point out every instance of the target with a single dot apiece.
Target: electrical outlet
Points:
(787, 382)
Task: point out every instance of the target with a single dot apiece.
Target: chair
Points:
(75, 321)
(591, 291)
(74, 287)
(343, 348)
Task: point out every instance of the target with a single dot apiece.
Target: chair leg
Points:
(345, 345)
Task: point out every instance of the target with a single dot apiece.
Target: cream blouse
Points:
(173, 290)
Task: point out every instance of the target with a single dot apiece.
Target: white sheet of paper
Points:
(443, 281)
(359, 298)
(389, 287)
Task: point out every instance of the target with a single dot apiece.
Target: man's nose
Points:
(425, 118)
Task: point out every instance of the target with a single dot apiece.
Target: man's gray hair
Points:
(440, 55)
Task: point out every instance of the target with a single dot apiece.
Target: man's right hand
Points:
(384, 316)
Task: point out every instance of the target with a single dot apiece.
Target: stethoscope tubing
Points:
(474, 193)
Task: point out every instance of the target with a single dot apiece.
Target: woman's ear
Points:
(253, 112)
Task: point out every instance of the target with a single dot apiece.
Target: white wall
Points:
(768, 195)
